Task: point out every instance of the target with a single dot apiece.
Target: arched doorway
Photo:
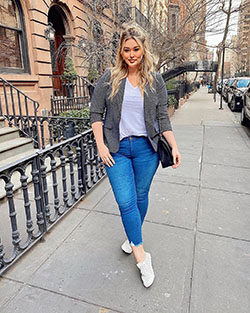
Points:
(59, 21)
(57, 18)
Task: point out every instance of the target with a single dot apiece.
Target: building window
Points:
(174, 23)
(13, 48)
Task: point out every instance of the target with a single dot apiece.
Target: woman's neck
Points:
(133, 71)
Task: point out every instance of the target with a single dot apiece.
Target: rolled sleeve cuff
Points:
(165, 125)
(95, 117)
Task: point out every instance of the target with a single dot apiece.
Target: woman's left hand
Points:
(176, 157)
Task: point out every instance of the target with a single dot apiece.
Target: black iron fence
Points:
(15, 106)
(70, 95)
(49, 130)
(59, 177)
(175, 93)
(180, 91)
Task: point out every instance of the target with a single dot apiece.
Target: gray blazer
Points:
(155, 109)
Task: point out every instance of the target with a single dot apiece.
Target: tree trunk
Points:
(222, 44)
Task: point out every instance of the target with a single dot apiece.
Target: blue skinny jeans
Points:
(130, 177)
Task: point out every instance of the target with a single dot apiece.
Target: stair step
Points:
(15, 178)
(8, 133)
(16, 158)
(2, 122)
(14, 147)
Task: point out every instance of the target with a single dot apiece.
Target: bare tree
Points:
(226, 10)
(172, 45)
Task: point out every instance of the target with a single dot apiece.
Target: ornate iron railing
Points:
(49, 130)
(70, 95)
(60, 176)
(180, 91)
(14, 106)
(176, 94)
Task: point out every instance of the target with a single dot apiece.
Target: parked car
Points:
(245, 113)
(236, 91)
(225, 88)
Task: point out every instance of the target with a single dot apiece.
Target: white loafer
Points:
(126, 247)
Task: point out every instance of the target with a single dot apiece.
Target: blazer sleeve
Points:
(97, 107)
(162, 94)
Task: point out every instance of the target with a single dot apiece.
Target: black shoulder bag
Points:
(164, 149)
(165, 152)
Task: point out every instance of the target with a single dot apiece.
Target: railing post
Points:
(1, 255)
(20, 109)
(79, 165)
(36, 128)
(6, 104)
(83, 161)
(29, 223)
(177, 98)
(13, 106)
(52, 105)
(55, 189)
(45, 191)
(1, 109)
(41, 221)
(12, 213)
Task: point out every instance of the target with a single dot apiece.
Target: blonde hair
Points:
(120, 70)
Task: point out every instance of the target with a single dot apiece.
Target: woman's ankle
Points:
(139, 253)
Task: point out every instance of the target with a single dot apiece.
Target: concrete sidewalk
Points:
(197, 230)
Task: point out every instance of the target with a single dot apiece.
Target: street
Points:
(197, 230)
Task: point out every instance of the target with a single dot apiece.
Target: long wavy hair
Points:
(120, 70)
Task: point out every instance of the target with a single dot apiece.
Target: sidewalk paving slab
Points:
(230, 178)
(224, 213)
(221, 275)
(8, 289)
(31, 299)
(232, 141)
(222, 156)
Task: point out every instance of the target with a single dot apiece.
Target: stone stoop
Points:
(12, 145)
(12, 149)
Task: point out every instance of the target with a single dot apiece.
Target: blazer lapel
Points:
(120, 95)
(148, 98)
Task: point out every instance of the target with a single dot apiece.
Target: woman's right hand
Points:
(105, 155)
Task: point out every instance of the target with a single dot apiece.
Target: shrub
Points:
(171, 84)
(76, 113)
(92, 73)
(69, 73)
(172, 100)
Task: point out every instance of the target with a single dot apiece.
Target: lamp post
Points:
(222, 73)
(49, 34)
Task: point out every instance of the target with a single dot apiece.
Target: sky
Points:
(215, 37)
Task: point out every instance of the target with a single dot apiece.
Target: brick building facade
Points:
(244, 39)
(27, 58)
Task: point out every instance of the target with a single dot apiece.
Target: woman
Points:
(133, 101)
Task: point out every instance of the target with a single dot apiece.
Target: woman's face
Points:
(132, 53)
